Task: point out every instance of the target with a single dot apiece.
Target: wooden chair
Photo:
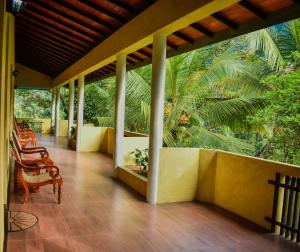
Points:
(26, 136)
(35, 176)
(33, 164)
(31, 156)
(27, 150)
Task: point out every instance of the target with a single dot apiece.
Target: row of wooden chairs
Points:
(33, 165)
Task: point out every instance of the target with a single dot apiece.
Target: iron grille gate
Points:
(288, 207)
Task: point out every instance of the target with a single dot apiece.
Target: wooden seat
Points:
(34, 174)
(50, 176)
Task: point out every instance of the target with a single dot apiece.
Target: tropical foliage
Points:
(240, 95)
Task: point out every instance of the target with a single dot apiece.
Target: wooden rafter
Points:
(105, 11)
(221, 18)
(85, 14)
(253, 9)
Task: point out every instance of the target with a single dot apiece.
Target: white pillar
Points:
(57, 111)
(80, 103)
(157, 113)
(71, 108)
(53, 109)
(119, 109)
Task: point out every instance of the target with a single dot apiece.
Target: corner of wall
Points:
(207, 175)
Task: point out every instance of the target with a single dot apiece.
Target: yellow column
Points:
(119, 109)
(53, 109)
(57, 111)
(80, 104)
(71, 108)
(3, 131)
(157, 113)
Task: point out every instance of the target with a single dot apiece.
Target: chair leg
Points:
(16, 180)
(54, 188)
(59, 193)
(26, 190)
(37, 188)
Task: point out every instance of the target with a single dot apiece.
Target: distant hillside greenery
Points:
(240, 95)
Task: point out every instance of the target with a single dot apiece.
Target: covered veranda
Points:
(99, 213)
(74, 43)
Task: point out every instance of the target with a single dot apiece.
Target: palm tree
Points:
(209, 92)
(276, 43)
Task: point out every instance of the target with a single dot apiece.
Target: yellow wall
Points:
(28, 77)
(134, 180)
(7, 65)
(102, 139)
(207, 174)
(63, 128)
(241, 185)
(178, 174)
(93, 139)
(110, 141)
(46, 123)
(234, 182)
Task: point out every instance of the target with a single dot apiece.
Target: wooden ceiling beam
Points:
(110, 67)
(40, 54)
(81, 32)
(221, 18)
(84, 14)
(23, 36)
(172, 45)
(130, 61)
(46, 65)
(101, 71)
(70, 17)
(184, 37)
(253, 9)
(42, 46)
(136, 57)
(107, 71)
(202, 29)
(37, 36)
(105, 11)
(48, 33)
(124, 6)
(56, 29)
(145, 53)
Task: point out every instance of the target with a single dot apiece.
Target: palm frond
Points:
(263, 41)
(232, 112)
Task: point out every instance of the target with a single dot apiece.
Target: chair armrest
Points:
(43, 153)
(36, 148)
(54, 171)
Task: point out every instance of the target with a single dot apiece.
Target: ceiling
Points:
(52, 35)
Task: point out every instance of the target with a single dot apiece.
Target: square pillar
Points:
(119, 110)
(157, 113)
(80, 109)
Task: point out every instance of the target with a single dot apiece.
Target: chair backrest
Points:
(15, 151)
(17, 141)
(16, 126)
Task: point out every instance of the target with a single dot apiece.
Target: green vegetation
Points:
(240, 95)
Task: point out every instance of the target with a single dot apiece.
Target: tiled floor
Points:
(99, 213)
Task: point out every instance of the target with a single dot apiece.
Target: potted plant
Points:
(141, 159)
